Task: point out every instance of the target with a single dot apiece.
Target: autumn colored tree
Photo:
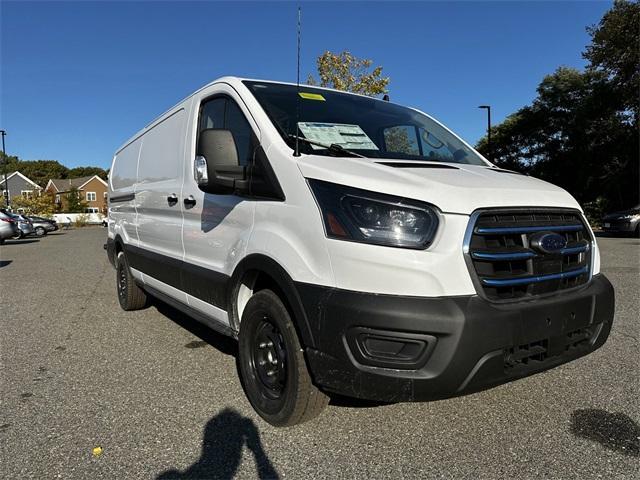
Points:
(344, 71)
(40, 205)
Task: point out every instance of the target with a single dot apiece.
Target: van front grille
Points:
(509, 263)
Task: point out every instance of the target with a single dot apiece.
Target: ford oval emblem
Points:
(548, 242)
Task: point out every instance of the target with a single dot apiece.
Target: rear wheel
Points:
(18, 235)
(130, 295)
(272, 366)
(40, 231)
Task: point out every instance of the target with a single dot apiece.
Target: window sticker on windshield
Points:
(311, 96)
(351, 137)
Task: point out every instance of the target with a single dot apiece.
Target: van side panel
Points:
(159, 178)
(122, 204)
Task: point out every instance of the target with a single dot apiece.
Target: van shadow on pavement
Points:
(229, 346)
(19, 242)
(615, 431)
(220, 342)
(225, 436)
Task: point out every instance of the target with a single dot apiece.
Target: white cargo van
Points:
(351, 245)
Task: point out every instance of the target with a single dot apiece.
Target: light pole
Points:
(4, 168)
(488, 109)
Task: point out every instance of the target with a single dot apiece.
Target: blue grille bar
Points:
(541, 228)
(573, 250)
(503, 256)
(506, 256)
(511, 282)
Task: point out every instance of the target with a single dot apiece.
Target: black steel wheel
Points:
(130, 295)
(272, 366)
(268, 358)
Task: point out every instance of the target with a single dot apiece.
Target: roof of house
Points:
(66, 184)
(21, 176)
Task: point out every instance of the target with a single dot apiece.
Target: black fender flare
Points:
(268, 266)
(112, 246)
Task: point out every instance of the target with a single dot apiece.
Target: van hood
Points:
(453, 188)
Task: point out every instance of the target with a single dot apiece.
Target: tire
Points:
(40, 231)
(272, 367)
(130, 295)
(18, 235)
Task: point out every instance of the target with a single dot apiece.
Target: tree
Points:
(41, 171)
(615, 50)
(343, 71)
(75, 204)
(41, 205)
(87, 171)
(578, 133)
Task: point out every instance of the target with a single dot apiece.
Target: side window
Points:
(401, 139)
(241, 130)
(434, 148)
(222, 112)
(212, 114)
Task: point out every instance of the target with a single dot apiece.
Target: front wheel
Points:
(272, 366)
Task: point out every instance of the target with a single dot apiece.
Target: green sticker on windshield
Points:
(311, 96)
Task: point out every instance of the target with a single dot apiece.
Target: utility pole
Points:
(488, 109)
(4, 168)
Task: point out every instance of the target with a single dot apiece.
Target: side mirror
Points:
(216, 169)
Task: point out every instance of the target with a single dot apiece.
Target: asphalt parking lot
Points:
(160, 395)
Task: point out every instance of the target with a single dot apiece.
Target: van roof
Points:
(233, 81)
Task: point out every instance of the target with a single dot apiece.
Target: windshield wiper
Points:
(333, 148)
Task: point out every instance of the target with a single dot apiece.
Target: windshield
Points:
(370, 127)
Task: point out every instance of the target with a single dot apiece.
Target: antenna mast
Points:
(297, 150)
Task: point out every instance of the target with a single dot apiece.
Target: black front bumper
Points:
(394, 348)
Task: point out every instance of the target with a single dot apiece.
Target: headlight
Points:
(368, 217)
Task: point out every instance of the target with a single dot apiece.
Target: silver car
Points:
(42, 226)
(24, 224)
(8, 227)
(623, 222)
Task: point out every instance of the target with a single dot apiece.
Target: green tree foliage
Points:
(41, 171)
(87, 171)
(615, 50)
(580, 132)
(75, 204)
(344, 71)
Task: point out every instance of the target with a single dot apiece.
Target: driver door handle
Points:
(172, 199)
(189, 201)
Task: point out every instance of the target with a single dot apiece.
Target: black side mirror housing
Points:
(217, 168)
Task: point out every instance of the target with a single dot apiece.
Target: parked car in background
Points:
(623, 222)
(42, 225)
(8, 227)
(24, 224)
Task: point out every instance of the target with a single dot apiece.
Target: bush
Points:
(81, 220)
(595, 210)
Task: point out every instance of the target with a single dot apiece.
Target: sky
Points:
(79, 78)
